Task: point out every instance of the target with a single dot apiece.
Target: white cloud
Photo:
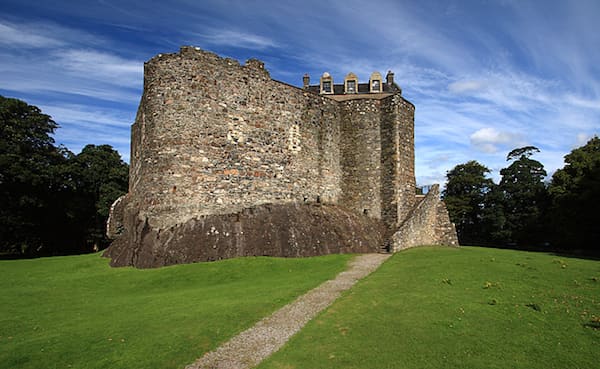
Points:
(237, 39)
(80, 125)
(15, 35)
(489, 138)
(583, 102)
(484, 78)
(582, 139)
(87, 117)
(101, 66)
(466, 86)
(50, 73)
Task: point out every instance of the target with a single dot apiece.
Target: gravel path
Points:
(249, 348)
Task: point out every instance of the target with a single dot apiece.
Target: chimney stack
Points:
(306, 80)
(389, 78)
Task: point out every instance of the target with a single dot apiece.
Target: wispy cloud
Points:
(15, 35)
(60, 60)
(81, 125)
(466, 86)
(57, 68)
(101, 66)
(484, 77)
(582, 139)
(236, 39)
(86, 117)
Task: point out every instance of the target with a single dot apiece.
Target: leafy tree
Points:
(52, 201)
(465, 198)
(524, 197)
(493, 224)
(520, 152)
(575, 195)
(99, 177)
(28, 177)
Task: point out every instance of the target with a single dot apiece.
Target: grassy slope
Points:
(76, 312)
(458, 308)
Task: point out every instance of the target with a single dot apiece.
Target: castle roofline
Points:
(363, 88)
(376, 85)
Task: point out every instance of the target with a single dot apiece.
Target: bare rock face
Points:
(295, 230)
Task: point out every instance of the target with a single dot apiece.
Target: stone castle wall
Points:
(213, 139)
(360, 153)
(428, 224)
(377, 157)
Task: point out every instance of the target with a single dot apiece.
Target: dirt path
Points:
(249, 348)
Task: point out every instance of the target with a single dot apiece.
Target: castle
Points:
(227, 162)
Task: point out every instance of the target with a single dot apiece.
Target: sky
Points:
(486, 76)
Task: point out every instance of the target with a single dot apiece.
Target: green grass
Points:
(458, 308)
(77, 312)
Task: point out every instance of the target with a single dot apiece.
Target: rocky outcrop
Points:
(295, 230)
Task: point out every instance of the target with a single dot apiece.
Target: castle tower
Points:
(227, 162)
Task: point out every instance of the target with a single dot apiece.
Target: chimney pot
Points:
(306, 80)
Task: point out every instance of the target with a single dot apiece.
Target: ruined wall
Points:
(214, 137)
(428, 224)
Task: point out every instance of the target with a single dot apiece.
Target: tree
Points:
(465, 195)
(524, 197)
(52, 201)
(28, 159)
(575, 196)
(99, 177)
(520, 152)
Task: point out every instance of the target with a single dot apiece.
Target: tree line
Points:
(52, 201)
(524, 211)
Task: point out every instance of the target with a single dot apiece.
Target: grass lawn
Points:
(77, 312)
(459, 308)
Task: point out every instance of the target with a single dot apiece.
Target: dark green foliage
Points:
(98, 176)
(465, 196)
(508, 214)
(493, 227)
(520, 152)
(523, 197)
(51, 201)
(575, 194)
(28, 176)
(521, 211)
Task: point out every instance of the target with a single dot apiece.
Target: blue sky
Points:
(485, 76)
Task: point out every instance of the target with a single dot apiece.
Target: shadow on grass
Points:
(574, 253)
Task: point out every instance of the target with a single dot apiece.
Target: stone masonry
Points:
(227, 162)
